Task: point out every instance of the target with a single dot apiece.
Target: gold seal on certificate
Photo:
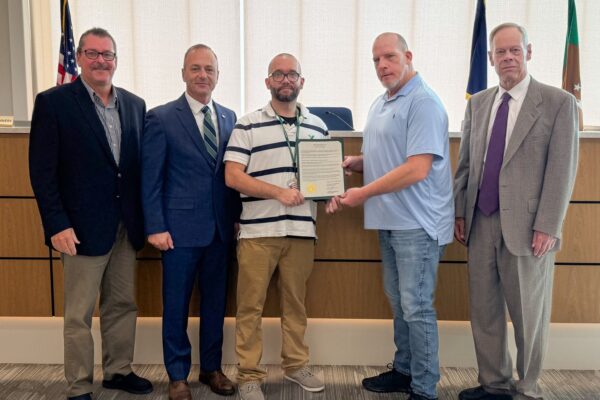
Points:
(320, 168)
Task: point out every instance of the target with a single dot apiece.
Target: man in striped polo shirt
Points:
(277, 227)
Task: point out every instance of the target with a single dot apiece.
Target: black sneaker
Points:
(387, 382)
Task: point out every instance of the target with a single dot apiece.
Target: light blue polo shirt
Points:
(411, 122)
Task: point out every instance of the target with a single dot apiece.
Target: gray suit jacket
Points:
(539, 167)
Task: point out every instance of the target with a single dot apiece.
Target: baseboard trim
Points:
(331, 342)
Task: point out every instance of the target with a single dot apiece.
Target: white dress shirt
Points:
(197, 107)
(517, 95)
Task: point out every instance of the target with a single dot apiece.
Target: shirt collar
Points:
(406, 89)
(196, 105)
(268, 109)
(112, 98)
(518, 91)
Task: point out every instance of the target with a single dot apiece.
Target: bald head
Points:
(396, 37)
(285, 58)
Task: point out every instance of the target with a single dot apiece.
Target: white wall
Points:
(6, 107)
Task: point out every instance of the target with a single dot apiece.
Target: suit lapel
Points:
(482, 120)
(124, 109)
(88, 110)
(222, 122)
(528, 114)
(184, 113)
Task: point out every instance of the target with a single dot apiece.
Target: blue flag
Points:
(67, 67)
(478, 70)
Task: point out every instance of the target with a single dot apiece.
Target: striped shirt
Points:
(109, 116)
(258, 142)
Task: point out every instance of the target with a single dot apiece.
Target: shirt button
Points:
(119, 175)
(118, 196)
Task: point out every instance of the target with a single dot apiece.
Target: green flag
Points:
(571, 81)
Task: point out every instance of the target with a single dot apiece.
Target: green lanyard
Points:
(293, 154)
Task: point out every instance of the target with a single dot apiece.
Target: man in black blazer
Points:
(84, 169)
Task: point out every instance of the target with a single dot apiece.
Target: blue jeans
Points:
(410, 262)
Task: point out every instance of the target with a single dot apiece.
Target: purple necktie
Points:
(489, 199)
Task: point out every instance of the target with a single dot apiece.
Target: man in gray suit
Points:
(516, 169)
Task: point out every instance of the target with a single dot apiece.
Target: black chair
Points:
(336, 118)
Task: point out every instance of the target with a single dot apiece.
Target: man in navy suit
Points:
(190, 216)
(84, 168)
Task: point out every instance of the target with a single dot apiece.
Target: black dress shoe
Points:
(479, 393)
(130, 383)
(387, 382)
(87, 396)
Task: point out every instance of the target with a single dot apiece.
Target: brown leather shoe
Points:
(218, 382)
(179, 390)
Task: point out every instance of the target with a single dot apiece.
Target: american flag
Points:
(67, 67)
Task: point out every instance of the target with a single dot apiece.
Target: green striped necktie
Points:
(210, 134)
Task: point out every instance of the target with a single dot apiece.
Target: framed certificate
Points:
(320, 172)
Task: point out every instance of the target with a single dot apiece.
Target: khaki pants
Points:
(257, 259)
(113, 276)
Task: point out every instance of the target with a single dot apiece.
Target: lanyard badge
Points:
(292, 183)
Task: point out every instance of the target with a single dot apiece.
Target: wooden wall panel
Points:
(342, 236)
(455, 252)
(149, 288)
(454, 147)
(14, 179)
(587, 184)
(338, 289)
(576, 296)
(25, 288)
(149, 251)
(355, 290)
(21, 233)
(581, 232)
(59, 287)
(347, 290)
(452, 295)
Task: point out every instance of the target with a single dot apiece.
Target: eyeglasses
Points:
(93, 55)
(279, 76)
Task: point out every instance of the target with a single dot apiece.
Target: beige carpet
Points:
(37, 382)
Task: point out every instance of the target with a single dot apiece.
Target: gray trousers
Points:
(524, 284)
(113, 277)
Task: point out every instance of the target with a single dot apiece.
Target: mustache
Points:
(101, 66)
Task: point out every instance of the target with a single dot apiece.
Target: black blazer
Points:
(74, 176)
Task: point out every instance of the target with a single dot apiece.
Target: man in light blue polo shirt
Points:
(408, 198)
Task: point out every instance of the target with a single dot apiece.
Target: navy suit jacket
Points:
(181, 192)
(75, 178)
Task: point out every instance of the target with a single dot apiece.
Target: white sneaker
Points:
(306, 379)
(251, 391)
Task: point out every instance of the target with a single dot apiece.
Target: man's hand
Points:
(333, 205)
(542, 243)
(352, 164)
(65, 241)
(459, 230)
(290, 197)
(353, 197)
(162, 241)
